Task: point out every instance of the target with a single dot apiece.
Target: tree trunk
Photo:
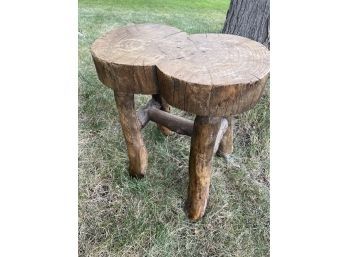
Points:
(249, 19)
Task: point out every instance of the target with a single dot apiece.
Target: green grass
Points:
(121, 216)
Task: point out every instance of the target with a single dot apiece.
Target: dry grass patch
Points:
(122, 216)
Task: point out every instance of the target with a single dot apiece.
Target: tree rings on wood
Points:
(205, 74)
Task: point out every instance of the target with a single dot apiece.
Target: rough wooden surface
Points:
(220, 135)
(201, 153)
(125, 57)
(131, 128)
(226, 144)
(175, 123)
(143, 112)
(223, 75)
(166, 108)
(204, 74)
(210, 75)
(249, 19)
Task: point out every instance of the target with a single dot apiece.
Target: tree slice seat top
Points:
(205, 74)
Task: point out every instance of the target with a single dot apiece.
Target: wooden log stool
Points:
(213, 76)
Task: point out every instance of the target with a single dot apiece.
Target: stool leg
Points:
(205, 130)
(164, 107)
(226, 144)
(131, 128)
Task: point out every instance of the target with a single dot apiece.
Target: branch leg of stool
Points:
(131, 128)
(205, 130)
(226, 144)
(164, 107)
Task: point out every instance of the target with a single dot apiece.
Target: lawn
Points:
(122, 216)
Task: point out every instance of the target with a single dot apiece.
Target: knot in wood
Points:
(204, 74)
